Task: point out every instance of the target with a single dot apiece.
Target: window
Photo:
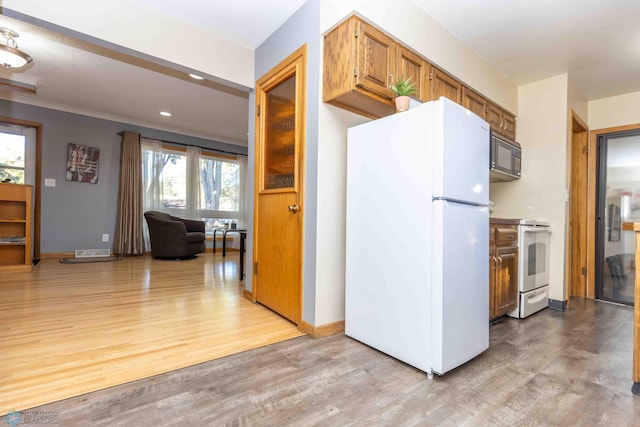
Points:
(192, 184)
(12, 158)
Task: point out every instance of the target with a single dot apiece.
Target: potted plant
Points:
(403, 88)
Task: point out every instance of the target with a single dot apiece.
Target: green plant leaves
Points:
(404, 87)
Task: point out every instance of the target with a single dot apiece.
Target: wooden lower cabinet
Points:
(503, 270)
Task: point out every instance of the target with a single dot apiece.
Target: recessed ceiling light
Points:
(195, 76)
(165, 113)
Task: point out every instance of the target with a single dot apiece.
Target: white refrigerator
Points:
(417, 235)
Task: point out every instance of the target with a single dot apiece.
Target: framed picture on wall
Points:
(615, 222)
(82, 163)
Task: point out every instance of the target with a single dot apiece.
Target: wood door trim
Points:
(576, 126)
(591, 220)
(298, 60)
(37, 188)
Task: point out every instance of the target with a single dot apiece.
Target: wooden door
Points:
(474, 102)
(578, 190)
(412, 66)
(507, 280)
(444, 85)
(280, 124)
(376, 60)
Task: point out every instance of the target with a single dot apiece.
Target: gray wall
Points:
(76, 214)
(303, 27)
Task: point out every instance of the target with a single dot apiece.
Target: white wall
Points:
(577, 102)
(135, 26)
(540, 193)
(615, 111)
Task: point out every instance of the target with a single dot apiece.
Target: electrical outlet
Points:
(105, 237)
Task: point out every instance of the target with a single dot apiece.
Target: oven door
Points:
(534, 257)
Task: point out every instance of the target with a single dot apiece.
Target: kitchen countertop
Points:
(504, 221)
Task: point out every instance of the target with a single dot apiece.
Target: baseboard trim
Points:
(57, 255)
(248, 295)
(323, 330)
(557, 305)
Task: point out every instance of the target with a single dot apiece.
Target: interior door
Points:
(278, 198)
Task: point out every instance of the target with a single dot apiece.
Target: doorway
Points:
(617, 201)
(32, 173)
(278, 213)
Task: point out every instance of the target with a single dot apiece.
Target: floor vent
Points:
(92, 253)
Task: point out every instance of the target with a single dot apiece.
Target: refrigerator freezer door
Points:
(460, 284)
(460, 143)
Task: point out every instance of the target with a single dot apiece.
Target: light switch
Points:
(49, 182)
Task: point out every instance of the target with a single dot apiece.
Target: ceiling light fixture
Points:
(10, 56)
(196, 77)
(165, 113)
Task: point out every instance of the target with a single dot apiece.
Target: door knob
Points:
(292, 208)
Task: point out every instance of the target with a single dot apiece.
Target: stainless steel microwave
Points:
(506, 159)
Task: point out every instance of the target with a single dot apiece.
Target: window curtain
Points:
(152, 165)
(129, 235)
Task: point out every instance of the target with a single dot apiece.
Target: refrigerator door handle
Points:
(462, 202)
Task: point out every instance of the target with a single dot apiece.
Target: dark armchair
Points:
(173, 237)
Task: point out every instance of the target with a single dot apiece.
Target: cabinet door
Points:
(376, 60)
(474, 102)
(494, 117)
(413, 66)
(444, 85)
(509, 125)
(506, 280)
(501, 121)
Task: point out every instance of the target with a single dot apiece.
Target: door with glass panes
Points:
(277, 272)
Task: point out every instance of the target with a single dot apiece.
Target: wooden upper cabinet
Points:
(358, 63)
(361, 63)
(376, 60)
(509, 125)
(501, 121)
(473, 102)
(443, 84)
(411, 65)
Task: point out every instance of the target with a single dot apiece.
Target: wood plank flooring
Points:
(70, 329)
(551, 369)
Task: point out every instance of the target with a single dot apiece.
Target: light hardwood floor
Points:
(69, 329)
(551, 369)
